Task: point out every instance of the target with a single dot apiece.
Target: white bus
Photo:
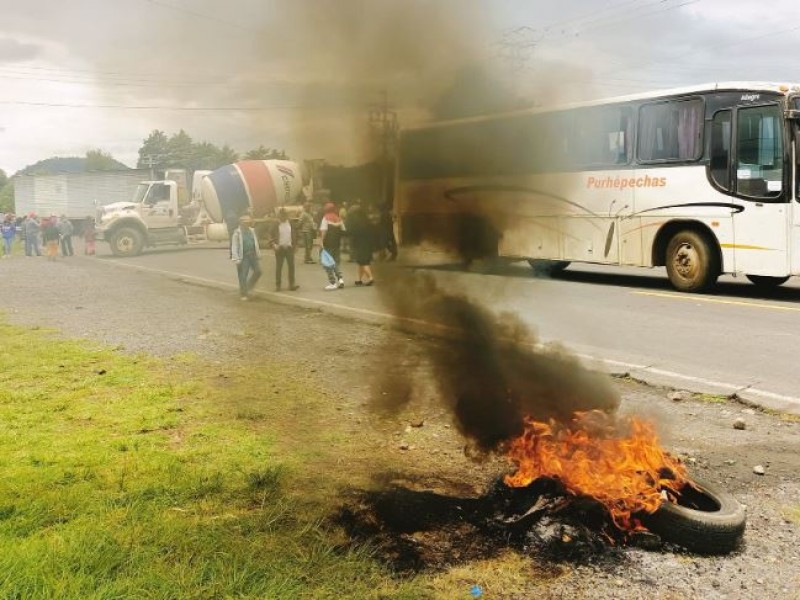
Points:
(701, 180)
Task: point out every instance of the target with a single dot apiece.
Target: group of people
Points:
(52, 233)
(353, 225)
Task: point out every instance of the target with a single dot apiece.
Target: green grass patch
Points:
(711, 398)
(129, 477)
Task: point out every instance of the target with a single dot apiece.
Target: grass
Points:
(129, 477)
(711, 398)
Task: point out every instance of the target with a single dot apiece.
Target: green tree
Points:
(7, 196)
(264, 153)
(181, 150)
(227, 155)
(154, 152)
(97, 160)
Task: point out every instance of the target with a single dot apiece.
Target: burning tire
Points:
(706, 521)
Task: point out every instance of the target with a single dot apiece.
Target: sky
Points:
(304, 75)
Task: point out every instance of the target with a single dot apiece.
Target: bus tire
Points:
(127, 241)
(765, 282)
(693, 265)
(547, 268)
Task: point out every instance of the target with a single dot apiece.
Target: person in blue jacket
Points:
(8, 230)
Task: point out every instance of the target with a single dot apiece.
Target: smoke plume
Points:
(490, 371)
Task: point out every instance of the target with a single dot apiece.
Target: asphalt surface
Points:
(738, 340)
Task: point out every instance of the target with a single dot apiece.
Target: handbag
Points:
(326, 260)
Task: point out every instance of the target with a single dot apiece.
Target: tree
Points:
(154, 152)
(7, 196)
(264, 153)
(97, 160)
(180, 150)
(227, 155)
(3, 178)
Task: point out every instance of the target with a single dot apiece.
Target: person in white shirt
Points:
(284, 241)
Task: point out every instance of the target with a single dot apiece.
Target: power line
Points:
(200, 15)
(183, 108)
(589, 14)
(713, 47)
(634, 14)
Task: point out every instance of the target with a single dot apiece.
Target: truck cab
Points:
(152, 218)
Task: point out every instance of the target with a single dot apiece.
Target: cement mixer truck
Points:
(158, 213)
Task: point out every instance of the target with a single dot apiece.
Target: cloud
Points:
(13, 50)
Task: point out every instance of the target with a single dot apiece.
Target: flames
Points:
(616, 461)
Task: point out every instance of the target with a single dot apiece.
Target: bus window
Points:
(721, 149)
(759, 152)
(602, 136)
(671, 131)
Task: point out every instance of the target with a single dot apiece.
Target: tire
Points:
(767, 283)
(693, 265)
(127, 241)
(547, 268)
(715, 526)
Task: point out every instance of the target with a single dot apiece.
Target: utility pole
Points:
(383, 124)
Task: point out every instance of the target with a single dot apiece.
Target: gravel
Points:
(143, 312)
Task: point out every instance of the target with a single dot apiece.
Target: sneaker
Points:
(341, 282)
(331, 286)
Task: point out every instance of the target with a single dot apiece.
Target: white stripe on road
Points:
(632, 368)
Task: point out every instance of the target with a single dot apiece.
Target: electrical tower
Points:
(383, 127)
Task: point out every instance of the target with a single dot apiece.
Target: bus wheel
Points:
(692, 263)
(547, 268)
(765, 282)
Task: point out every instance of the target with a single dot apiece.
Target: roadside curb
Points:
(647, 374)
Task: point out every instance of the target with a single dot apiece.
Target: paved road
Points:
(737, 340)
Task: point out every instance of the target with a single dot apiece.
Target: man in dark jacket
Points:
(283, 239)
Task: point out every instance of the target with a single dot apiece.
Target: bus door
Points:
(795, 205)
(761, 227)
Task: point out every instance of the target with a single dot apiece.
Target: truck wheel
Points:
(765, 282)
(692, 263)
(127, 241)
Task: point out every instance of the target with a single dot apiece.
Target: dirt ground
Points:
(419, 449)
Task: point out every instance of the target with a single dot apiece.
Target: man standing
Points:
(32, 231)
(283, 240)
(308, 231)
(66, 230)
(245, 253)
